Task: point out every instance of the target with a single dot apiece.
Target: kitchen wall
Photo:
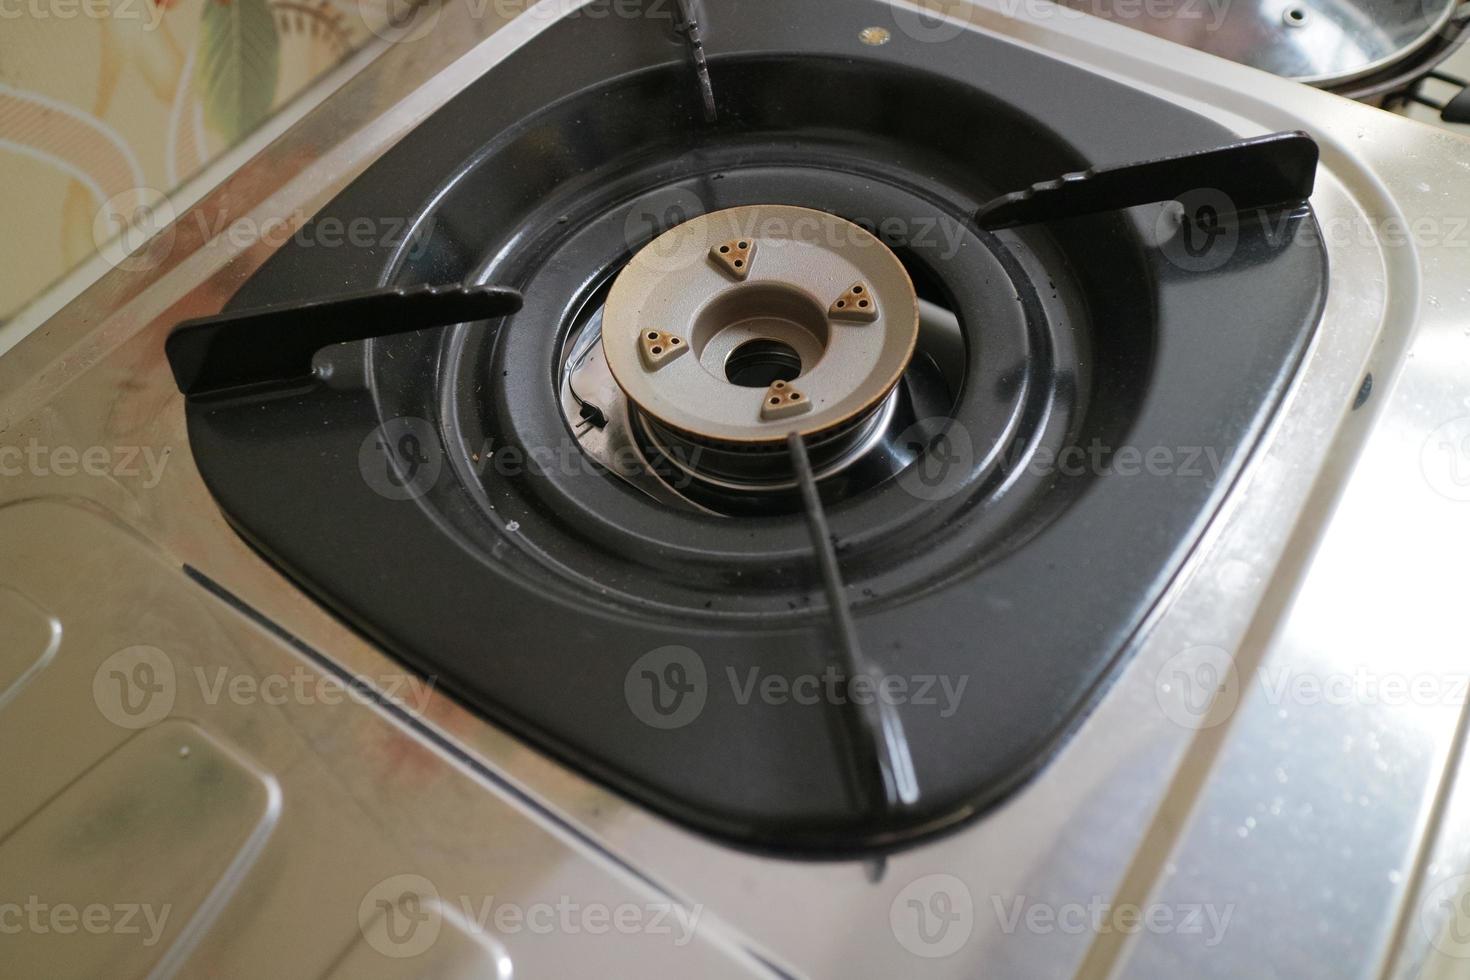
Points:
(107, 105)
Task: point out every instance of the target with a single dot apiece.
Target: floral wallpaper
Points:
(102, 98)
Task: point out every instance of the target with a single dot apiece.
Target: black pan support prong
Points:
(275, 344)
(882, 766)
(1263, 173)
(690, 21)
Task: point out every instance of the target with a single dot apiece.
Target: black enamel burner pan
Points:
(427, 490)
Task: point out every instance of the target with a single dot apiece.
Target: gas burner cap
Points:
(746, 325)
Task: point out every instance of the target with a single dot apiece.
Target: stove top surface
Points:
(1151, 760)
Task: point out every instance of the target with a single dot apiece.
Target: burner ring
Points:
(1007, 387)
(744, 325)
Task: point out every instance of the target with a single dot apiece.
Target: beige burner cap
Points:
(792, 320)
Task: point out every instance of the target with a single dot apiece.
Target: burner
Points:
(808, 331)
(795, 321)
(562, 511)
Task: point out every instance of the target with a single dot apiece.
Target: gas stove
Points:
(761, 489)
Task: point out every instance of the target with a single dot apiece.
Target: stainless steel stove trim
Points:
(1281, 37)
(1136, 808)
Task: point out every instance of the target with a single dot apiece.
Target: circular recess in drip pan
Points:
(1010, 357)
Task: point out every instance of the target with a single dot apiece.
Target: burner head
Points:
(744, 325)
